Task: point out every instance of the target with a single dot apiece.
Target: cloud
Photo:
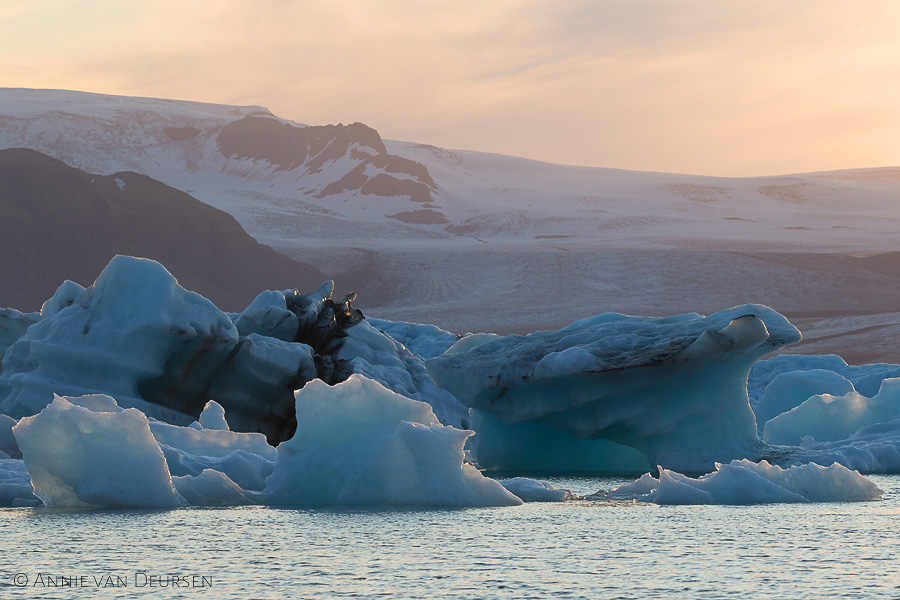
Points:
(728, 87)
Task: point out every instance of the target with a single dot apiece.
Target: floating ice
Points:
(540, 448)
(8, 445)
(792, 389)
(536, 490)
(371, 353)
(828, 418)
(468, 342)
(135, 334)
(13, 325)
(362, 444)
(673, 388)
(82, 455)
(747, 482)
(268, 315)
(425, 341)
(64, 296)
(15, 485)
(213, 417)
(866, 379)
(246, 458)
(211, 488)
(871, 449)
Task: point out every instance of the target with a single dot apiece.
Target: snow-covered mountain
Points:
(470, 240)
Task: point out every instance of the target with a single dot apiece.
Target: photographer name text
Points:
(113, 580)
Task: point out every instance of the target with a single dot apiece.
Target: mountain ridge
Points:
(58, 223)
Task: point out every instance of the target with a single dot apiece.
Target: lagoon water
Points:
(578, 549)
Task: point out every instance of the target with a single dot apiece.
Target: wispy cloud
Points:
(722, 88)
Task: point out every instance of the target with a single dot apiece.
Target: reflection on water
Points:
(574, 550)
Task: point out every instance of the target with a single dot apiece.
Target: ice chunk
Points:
(213, 417)
(871, 449)
(64, 296)
(792, 388)
(8, 443)
(471, 340)
(360, 443)
(536, 490)
(425, 341)
(15, 485)
(747, 482)
(246, 469)
(828, 418)
(371, 353)
(135, 334)
(245, 458)
(211, 488)
(256, 385)
(268, 315)
(673, 388)
(866, 379)
(140, 337)
(79, 457)
(13, 325)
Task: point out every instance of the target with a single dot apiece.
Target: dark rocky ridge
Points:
(58, 222)
(289, 147)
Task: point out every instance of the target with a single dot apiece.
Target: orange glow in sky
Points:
(715, 88)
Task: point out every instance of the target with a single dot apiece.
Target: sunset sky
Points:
(715, 88)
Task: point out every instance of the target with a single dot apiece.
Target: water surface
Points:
(579, 549)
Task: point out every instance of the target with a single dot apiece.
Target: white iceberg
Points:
(536, 490)
(86, 456)
(211, 488)
(375, 355)
(828, 418)
(358, 443)
(425, 341)
(748, 482)
(135, 335)
(866, 379)
(791, 389)
(673, 389)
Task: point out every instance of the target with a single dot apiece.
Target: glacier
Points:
(674, 389)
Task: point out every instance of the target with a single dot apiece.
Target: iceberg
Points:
(138, 336)
(13, 324)
(211, 488)
(828, 418)
(359, 443)
(748, 482)
(866, 379)
(369, 352)
(791, 389)
(536, 490)
(135, 335)
(80, 454)
(673, 389)
(425, 341)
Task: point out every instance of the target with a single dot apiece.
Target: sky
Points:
(725, 87)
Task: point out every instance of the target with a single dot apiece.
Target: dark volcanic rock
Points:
(312, 148)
